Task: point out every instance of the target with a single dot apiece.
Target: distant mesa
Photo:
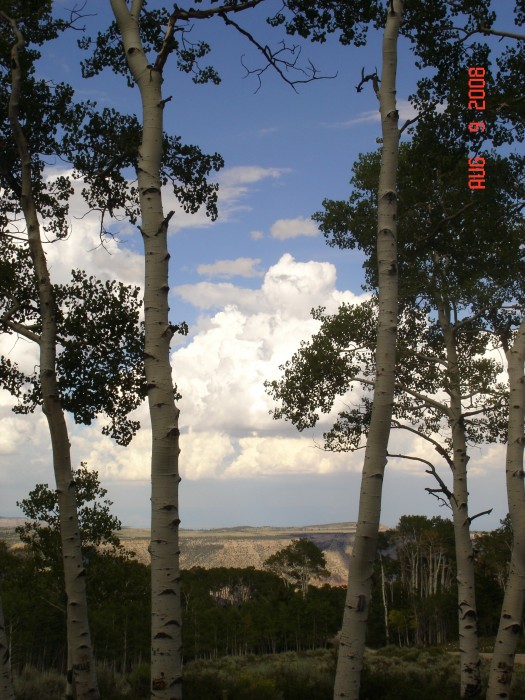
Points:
(235, 547)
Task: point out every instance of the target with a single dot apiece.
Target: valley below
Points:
(241, 547)
(235, 547)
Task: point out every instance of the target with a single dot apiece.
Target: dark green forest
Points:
(238, 612)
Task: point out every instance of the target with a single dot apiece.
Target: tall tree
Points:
(87, 332)
(341, 352)
(502, 663)
(158, 161)
(79, 638)
(353, 631)
(440, 43)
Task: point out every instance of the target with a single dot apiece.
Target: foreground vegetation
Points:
(391, 673)
(248, 634)
(240, 612)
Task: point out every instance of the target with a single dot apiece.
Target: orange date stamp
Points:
(477, 101)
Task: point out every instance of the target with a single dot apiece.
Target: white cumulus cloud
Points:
(248, 174)
(221, 372)
(240, 267)
(292, 228)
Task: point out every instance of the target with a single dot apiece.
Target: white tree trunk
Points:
(6, 682)
(166, 640)
(353, 633)
(385, 601)
(467, 610)
(79, 638)
(510, 626)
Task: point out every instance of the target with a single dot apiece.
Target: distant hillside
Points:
(236, 547)
(240, 547)
(7, 529)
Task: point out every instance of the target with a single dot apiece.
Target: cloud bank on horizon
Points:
(239, 336)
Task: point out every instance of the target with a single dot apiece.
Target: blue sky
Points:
(245, 285)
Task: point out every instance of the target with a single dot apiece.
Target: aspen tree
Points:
(510, 626)
(79, 639)
(353, 632)
(166, 639)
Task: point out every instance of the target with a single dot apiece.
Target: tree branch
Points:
(10, 312)
(167, 44)
(496, 32)
(373, 77)
(443, 408)
(439, 448)
(408, 123)
(432, 470)
(22, 330)
(273, 59)
(179, 13)
(12, 235)
(442, 486)
(450, 217)
(478, 515)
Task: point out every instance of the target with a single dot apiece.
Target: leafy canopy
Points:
(98, 527)
(298, 563)
(100, 343)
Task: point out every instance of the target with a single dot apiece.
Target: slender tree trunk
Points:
(510, 625)
(79, 638)
(6, 681)
(353, 633)
(467, 610)
(166, 641)
(385, 600)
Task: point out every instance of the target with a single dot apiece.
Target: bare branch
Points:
(167, 44)
(427, 400)
(458, 324)
(276, 61)
(58, 607)
(408, 123)
(429, 358)
(12, 235)
(442, 489)
(439, 448)
(373, 77)
(22, 330)
(431, 470)
(179, 13)
(75, 15)
(478, 515)
(435, 492)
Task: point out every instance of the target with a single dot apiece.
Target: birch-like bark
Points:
(79, 638)
(353, 633)
(510, 625)
(6, 681)
(470, 676)
(385, 601)
(166, 640)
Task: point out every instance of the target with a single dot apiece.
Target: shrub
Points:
(139, 680)
(254, 687)
(44, 685)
